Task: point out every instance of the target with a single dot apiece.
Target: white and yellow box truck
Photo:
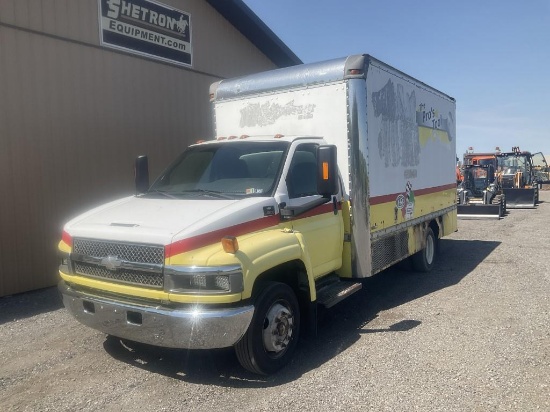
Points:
(320, 175)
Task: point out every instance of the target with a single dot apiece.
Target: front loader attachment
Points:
(480, 211)
(520, 198)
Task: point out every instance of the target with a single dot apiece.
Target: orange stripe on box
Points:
(390, 198)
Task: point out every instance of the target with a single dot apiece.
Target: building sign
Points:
(147, 28)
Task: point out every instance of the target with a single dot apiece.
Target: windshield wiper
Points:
(211, 193)
(162, 192)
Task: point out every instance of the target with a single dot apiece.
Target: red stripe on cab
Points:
(65, 237)
(195, 242)
(209, 238)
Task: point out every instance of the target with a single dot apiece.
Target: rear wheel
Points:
(423, 261)
(271, 338)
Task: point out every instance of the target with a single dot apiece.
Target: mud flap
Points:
(480, 211)
(520, 198)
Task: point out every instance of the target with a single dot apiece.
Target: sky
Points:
(492, 56)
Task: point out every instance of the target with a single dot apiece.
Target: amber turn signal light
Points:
(325, 170)
(230, 244)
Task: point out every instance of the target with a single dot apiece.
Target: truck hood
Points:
(164, 221)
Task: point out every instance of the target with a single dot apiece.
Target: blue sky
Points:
(492, 56)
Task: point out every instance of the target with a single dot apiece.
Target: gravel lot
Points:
(473, 335)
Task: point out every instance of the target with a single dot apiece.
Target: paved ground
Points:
(473, 335)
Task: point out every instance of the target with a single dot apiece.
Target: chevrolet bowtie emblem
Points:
(111, 262)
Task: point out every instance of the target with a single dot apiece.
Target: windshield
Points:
(486, 162)
(226, 170)
(476, 179)
(479, 173)
(512, 164)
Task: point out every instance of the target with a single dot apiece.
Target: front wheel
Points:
(271, 338)
(423, 261)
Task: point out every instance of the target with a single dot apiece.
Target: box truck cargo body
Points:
(320, 175)
(395, 137)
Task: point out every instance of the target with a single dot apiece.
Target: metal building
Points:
(85, 87)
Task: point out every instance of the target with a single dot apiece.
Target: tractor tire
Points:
(499, 200)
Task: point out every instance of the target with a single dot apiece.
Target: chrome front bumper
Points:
(188, 328)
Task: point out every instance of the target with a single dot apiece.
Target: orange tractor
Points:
(479, 190)
(496, 181)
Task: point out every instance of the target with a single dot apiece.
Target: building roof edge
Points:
(255, 30)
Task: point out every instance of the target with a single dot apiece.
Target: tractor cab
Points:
(477, 179)
(515, 169)
(518, 178)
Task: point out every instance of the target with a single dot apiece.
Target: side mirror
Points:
(327, 171)
(141, 174)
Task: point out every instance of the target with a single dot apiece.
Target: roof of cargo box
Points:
(258, 138)
(256, 31)
(289, 77)
(304, 75)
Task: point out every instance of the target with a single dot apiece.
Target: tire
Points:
(423, 261)
(271, 339)
(499, 200)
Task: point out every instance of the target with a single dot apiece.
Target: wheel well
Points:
(293, 274)
(434, 225)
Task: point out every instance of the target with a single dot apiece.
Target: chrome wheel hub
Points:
(278, 328)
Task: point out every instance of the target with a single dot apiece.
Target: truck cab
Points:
(229, 223)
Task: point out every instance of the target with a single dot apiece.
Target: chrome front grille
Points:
(120, 262)
(120, 275)
(124, 251)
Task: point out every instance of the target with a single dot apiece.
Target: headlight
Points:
(203, 280)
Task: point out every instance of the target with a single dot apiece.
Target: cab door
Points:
(540, 168)
(321, 229)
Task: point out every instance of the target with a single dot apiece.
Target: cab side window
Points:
(302, 177)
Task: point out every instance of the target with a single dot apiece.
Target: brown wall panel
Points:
(73, 116)
(218, 48)
(76, 120)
